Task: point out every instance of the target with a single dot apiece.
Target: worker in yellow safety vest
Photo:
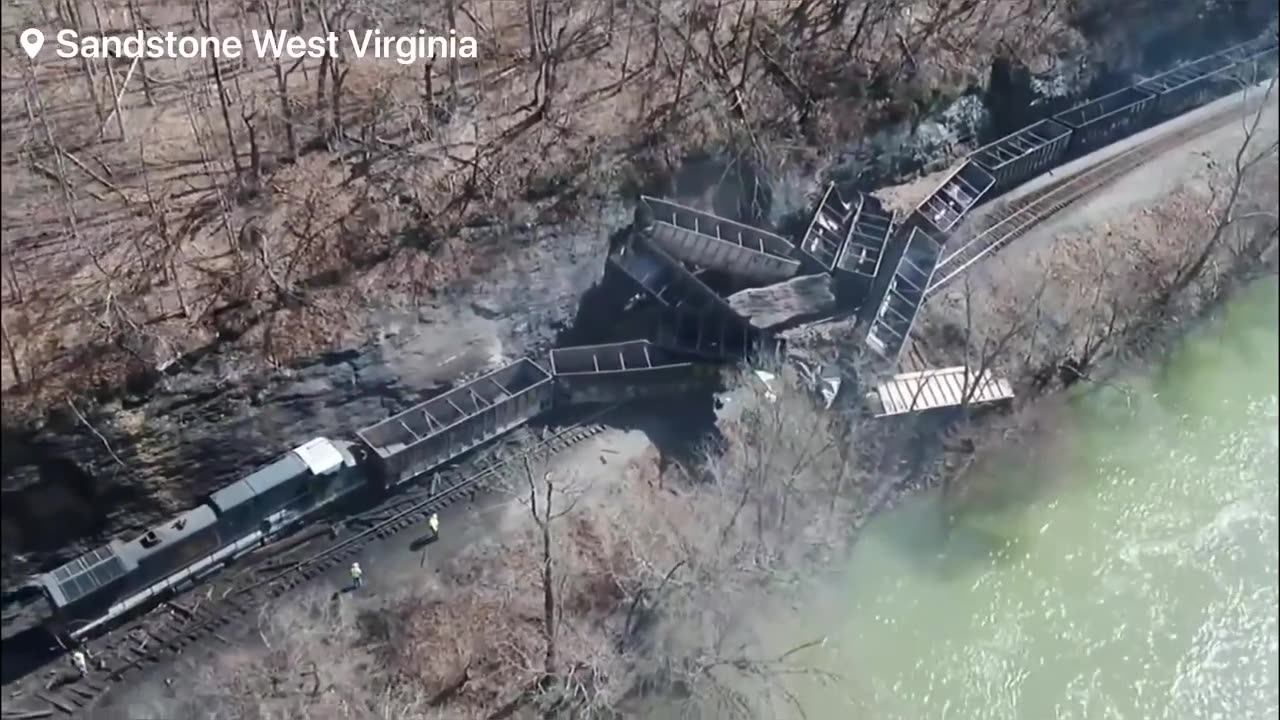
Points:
(357, 575)
(434, 522)
(81, 662)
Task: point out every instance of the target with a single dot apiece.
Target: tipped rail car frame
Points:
(625, 371)
(957, 195)
(868, 237)
(906, 292)
(715, 243)
(666, 280)
(925, 390)
(847, 235)
(713, 338)
(828, 231)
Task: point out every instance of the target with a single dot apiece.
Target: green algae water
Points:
(1129, 572)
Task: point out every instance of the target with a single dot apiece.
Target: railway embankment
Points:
(142, 452)
(462, 635)
(1113, 279)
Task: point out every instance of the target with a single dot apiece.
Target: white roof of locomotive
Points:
(320, 455)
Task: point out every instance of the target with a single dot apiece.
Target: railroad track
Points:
(1020, 216)
(1017, 218)
(172, 627)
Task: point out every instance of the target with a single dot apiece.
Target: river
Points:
(1125, 569)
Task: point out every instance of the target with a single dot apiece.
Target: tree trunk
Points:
(204, 19)
(857, 31)
(135, 16)
(272, 11)
(529, 17)
(451, 17)
(286, 111)
(224, 102)
(255, 156)
(19, 381)
(92, 84)
(548, 588)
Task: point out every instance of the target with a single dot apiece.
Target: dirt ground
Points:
(473, 603)
(395, 570)
(167, 235)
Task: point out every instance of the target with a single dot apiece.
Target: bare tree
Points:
(203, 12)
(271, 11)
(1247, 157)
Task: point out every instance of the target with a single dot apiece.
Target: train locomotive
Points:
(697, 330)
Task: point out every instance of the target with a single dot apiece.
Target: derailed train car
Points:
(627, 371)
(1035, 150)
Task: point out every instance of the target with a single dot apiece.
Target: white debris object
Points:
(767, 378)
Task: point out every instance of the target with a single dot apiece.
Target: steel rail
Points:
(1025, 213)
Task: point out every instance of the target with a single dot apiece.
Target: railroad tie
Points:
(57, 702)
(28, 715)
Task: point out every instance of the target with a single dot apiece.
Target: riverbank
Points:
(770, 484)
(1115, 278)
(1124, 558)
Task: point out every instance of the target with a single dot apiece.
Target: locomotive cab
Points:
(299, 483)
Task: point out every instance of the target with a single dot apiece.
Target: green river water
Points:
(1128, 571)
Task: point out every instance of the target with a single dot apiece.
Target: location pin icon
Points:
(32, 40)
